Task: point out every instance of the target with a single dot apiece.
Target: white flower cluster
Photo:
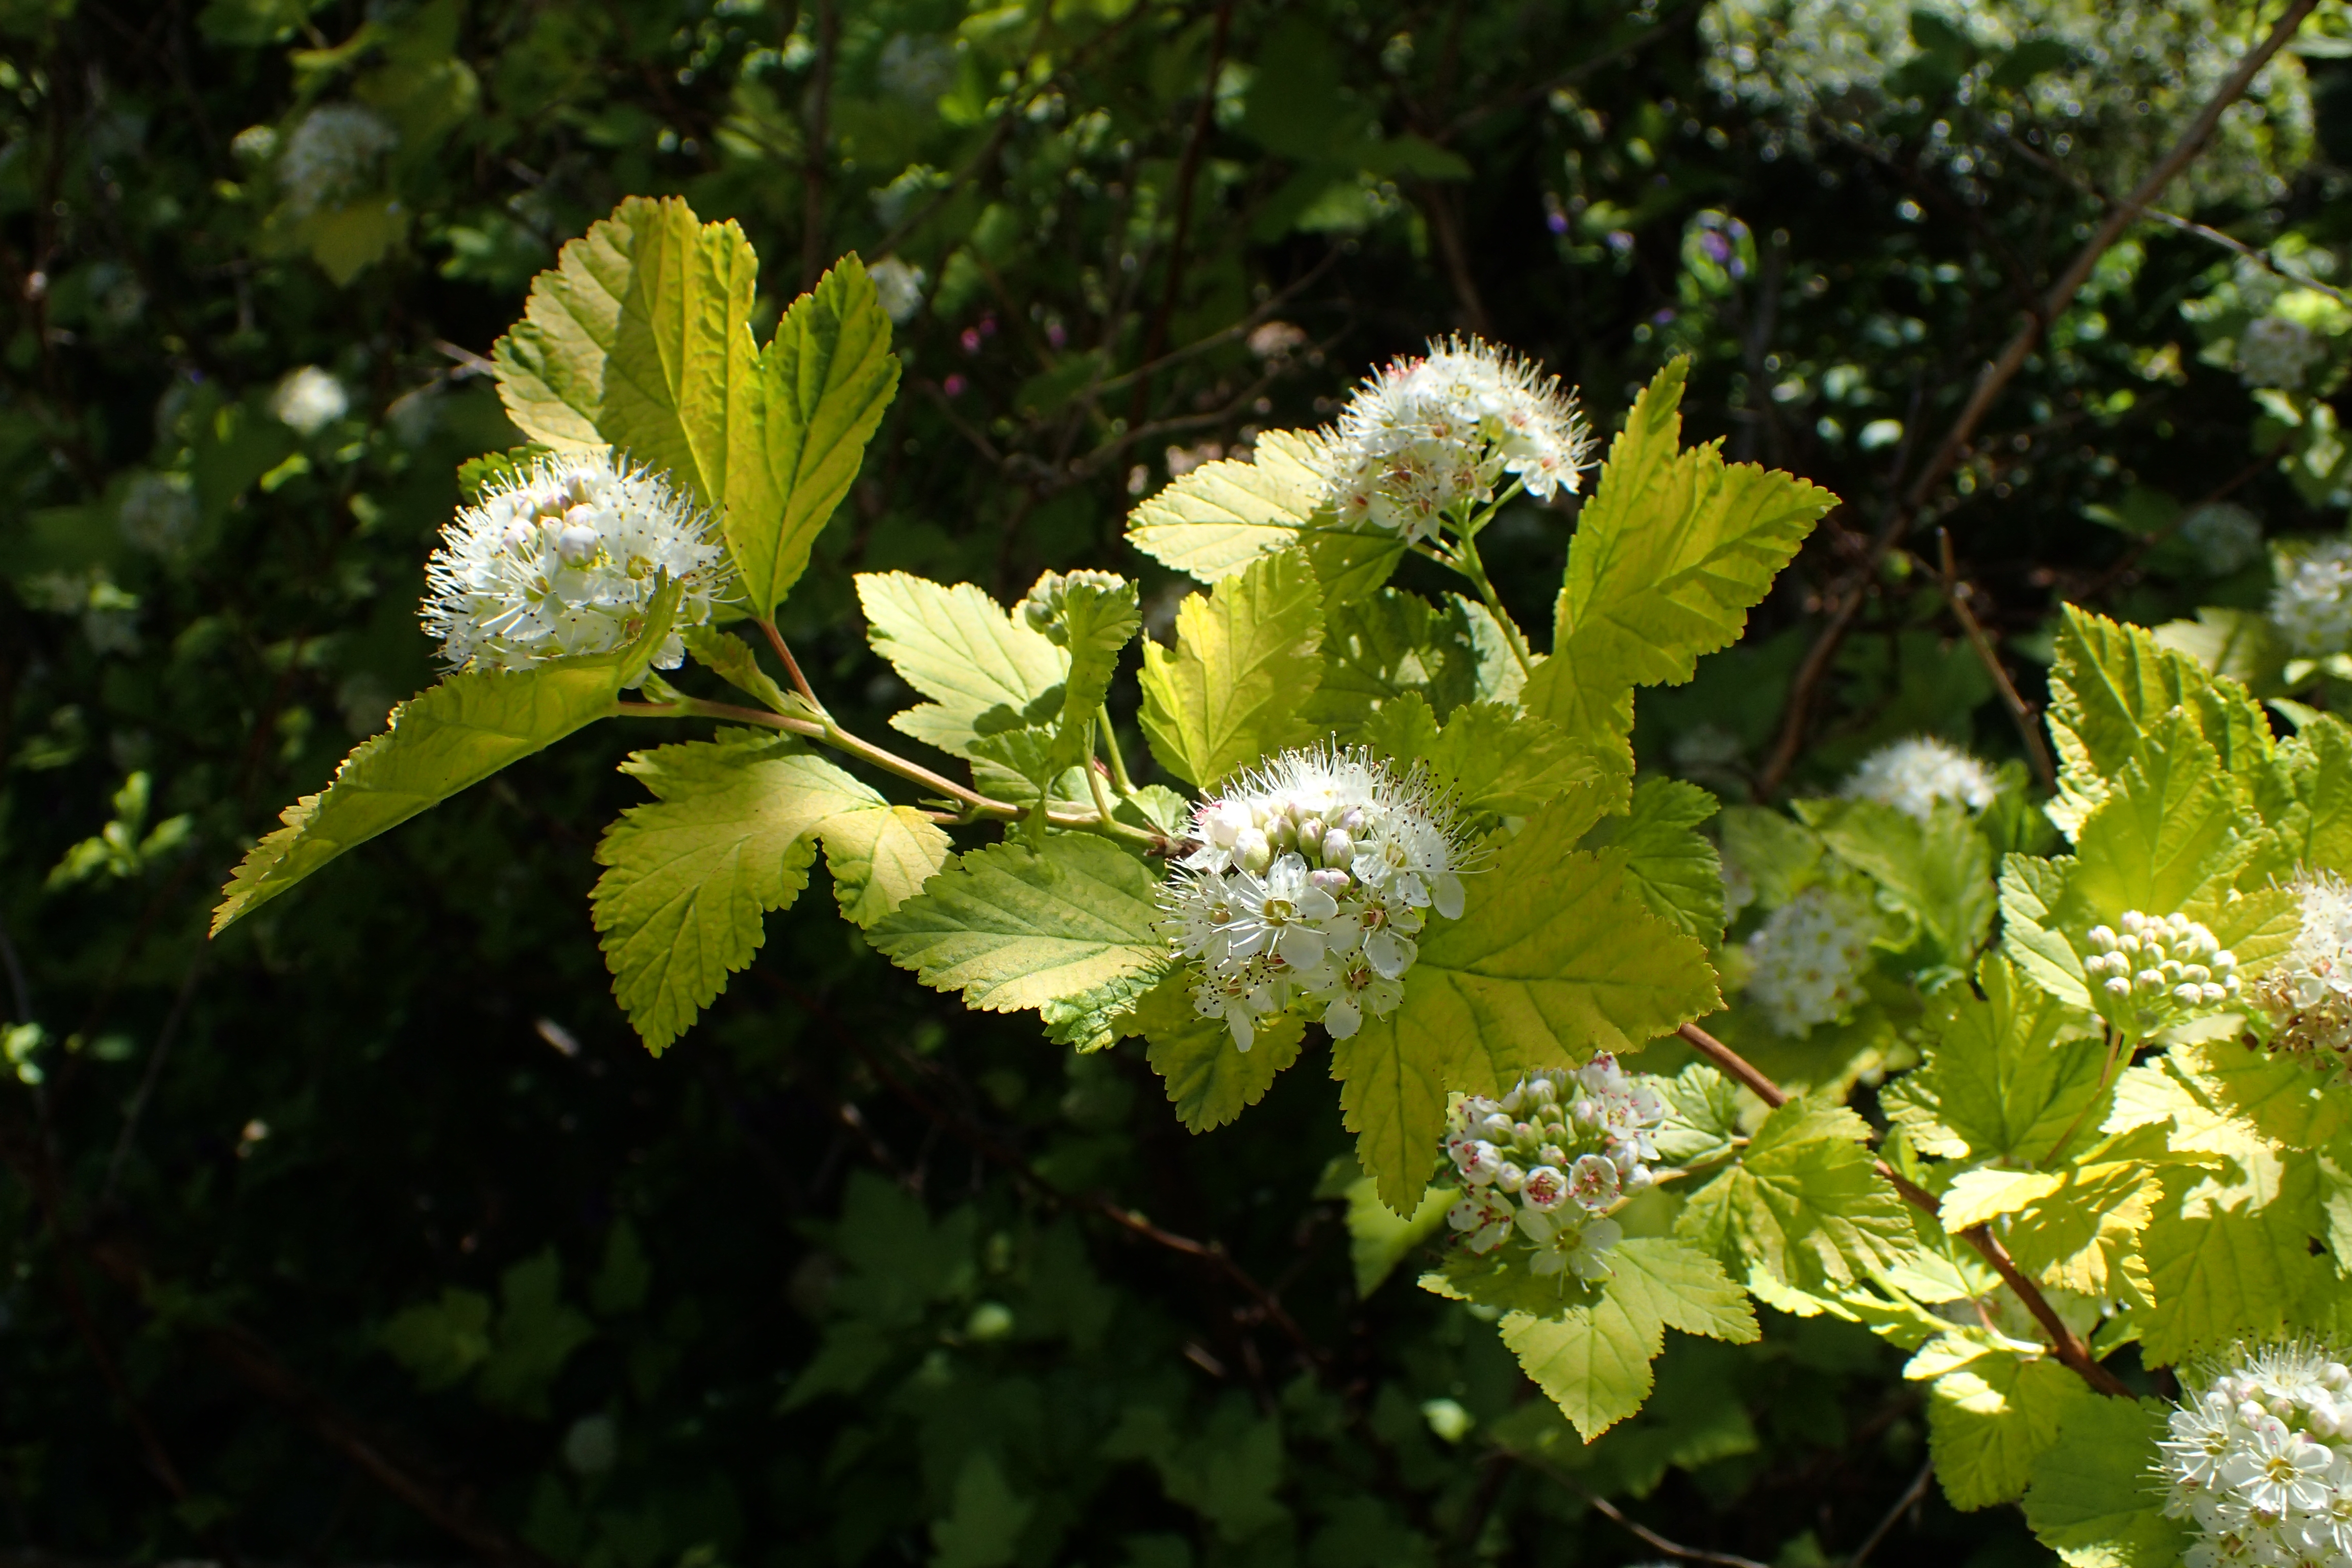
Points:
(1912, 775)
(2311, 608)
(332, 155)
(2261, 1458)
(1807, 962)
(2225, 536)
(1568, 1147)
(1427, 438)
(2309, 994)
(2277, 351)
(309, 399)
(563, 558)
(2173, 959)
(1315, 871)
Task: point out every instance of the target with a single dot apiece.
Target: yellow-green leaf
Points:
(1246, 660)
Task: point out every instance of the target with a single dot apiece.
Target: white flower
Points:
(332, 155)
(1912, 775)
(2312, 607)
(308, 400)
(2225, 536)
(1426, 438)
(1808, 960)
(1570, 1147)
(898, 286)
(2257, 1456)
(2309, 994)
(158, 512)
(1281, 913)
(1318, 868)
(2277, 351)
(563, 558)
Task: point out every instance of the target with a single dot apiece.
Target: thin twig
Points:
(1911, 1495)
(1995, 379)
(2064, 1343)
(147, 1081)
(1187, 176)
(2028, 723)
(1657, 1542)
(1268, 1305)
(2262, 258)
(791, 664)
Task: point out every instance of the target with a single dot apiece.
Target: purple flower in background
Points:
(953, 386)
(970, 339)
(1055, 335)
(1662, 317)
(1718, 249)
(1556, 221)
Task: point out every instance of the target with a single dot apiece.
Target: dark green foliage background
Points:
(840, 1271)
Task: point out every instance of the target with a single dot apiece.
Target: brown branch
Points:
(1911, 1495)
(1995, 379)
(1187, 176)
(2028, 723)
(2064, 1343)
(1657, 1542)
(791, 664)
(1268, 1305)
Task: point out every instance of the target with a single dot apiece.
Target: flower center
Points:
(1280, 911)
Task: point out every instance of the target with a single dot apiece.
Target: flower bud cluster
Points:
(2261, 1459)
(2308, 995)
(2174, 961)
(1808, 960)
(2311, 608)
(563, 558)
(1427, 438)
(1047, 609)
(1912, 775)
(1543, 1165)
(1315, 873)
(2275, 350)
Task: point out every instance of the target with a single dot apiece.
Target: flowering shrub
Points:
(1462, 884)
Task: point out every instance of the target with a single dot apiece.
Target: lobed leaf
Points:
(1218, 518)
(1209, 1081)
(1246, 660)
(1805, 1206)
(1070, 930)
(1937, 872)
(987, 671)
(688, 878)
(2009, 1074)
(434, 745)
(1669, 864)
(1594, 1360)
(822, 384)
(2091, 1499)
(1991, 1418)
(1670, 553)
(1553, 958)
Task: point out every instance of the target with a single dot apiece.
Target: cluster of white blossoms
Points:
(1806, 963)
(2308, 995)
(332, 155)
(1426, 438)
(1912, 775)
(308, 400)
(2261, 1458)
(2225, 536)
(1314, 872)
(563, 558)
(2169, 960)
(1568, 1147)
(2311, 608)
(2276, 352)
